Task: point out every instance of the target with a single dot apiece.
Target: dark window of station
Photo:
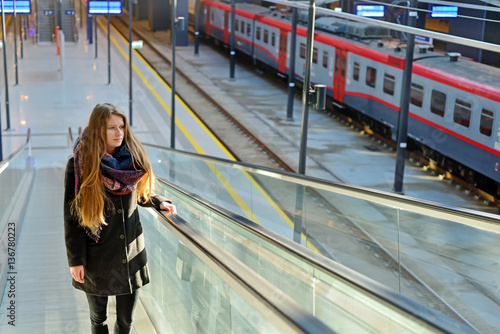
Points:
(249, 29)
(257, 34)
(302, 50)
(371, 76)
(389, 84)
(417, 95)
(462, 113)
(315, 55)
(325, 59)
(486, 125)
(355, 72)
(273, 39)
(266, 36)
(438, 102)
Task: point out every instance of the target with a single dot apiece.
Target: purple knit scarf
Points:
(119, 176)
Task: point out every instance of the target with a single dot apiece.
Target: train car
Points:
(454, 103)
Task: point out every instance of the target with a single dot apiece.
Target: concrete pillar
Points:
(182, 11)
(140, 10)
(159, 15)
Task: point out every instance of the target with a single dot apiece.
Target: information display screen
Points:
(105, 7)
(377, 11)
(22, 7)
(443, 11)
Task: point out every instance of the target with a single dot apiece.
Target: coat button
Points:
(122, 236)
(119, 210)
(124, 261)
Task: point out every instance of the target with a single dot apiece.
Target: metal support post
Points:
(196, 27)
(305, 90)
(21, 29)
(232, 53)
(405, 103)
(130, 59)
(81, 14)
(15, 45)
(291, 73)
(172, 103)
(109, 51)
(7, 108)
(95, 28)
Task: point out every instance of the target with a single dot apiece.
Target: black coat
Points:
(117, 263)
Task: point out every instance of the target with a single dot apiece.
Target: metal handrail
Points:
(482, 220)
(282, 311)
(328, 266)
(4, 163)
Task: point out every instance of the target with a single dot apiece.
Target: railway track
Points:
(238, 138)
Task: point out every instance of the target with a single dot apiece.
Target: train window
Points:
(242, 26)
(337, 64)
(486, 125)
(315, 55)
(266, 36)
(212, 16)
(355, 72)
(257, 34)
(371, 76)
(302, 50)
(236, 25)
(325, 59)
(438, 102)
(273, 39)
(249, 29)
(417, 95)
(389, 84)
(462, 112)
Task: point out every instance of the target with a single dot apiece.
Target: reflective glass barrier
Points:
(344, 300)
(441, 257)
(16, 174)
(13, 170)
(201, 289)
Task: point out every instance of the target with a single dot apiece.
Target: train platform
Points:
(335, 151)
(53, 96)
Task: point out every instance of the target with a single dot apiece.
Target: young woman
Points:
(107, 177)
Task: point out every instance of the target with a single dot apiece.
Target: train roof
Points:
(378, 45)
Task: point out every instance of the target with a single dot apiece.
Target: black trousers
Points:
(125, 312)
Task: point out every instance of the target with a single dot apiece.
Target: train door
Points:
(282, 52)
(226, 27)
(339, 74)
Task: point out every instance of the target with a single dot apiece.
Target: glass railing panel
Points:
(12, 172)
(224, 186)
(362, 229)
(457, 263)
(186, 296)
(341, 305)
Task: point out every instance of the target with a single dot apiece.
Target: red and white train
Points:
(454, 105)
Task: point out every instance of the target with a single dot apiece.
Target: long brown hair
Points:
(90, 202)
